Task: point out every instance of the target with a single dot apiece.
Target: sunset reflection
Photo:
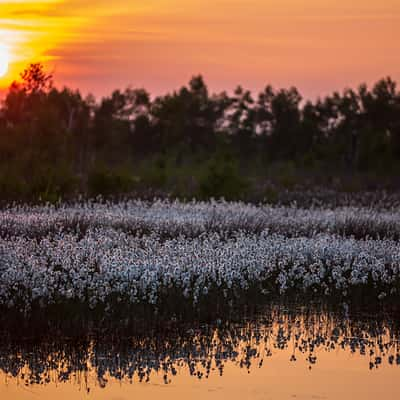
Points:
(296, 346)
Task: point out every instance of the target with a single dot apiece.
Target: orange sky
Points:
(99, 45)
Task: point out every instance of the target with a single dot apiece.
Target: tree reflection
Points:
(200, 350)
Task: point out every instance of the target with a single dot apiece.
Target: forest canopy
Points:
(56, 143)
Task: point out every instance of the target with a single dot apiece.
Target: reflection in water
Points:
(201, 351)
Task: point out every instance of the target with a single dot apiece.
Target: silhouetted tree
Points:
(51, 140)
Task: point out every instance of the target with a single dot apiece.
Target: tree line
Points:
(55, 142)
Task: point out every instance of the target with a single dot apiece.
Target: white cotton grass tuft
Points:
(136, 252)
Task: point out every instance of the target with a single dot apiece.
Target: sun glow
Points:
(4, 60)
(316, 46)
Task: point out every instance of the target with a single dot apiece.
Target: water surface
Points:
(276, 355)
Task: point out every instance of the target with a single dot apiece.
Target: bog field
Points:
(134, 298)
(175, 257)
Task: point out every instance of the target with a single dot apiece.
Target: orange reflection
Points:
(285, 355)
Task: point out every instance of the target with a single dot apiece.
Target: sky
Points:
(100, 45)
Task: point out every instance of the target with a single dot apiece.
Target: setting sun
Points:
(4, 60)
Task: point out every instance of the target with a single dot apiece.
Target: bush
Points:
(52, 183)
(222, 179)
(155, 175)
(44, 183)
(110, 182)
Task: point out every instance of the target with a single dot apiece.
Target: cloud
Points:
(243, 40)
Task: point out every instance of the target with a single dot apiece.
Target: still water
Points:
(280, 354)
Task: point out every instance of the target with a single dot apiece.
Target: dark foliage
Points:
(55, 143)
